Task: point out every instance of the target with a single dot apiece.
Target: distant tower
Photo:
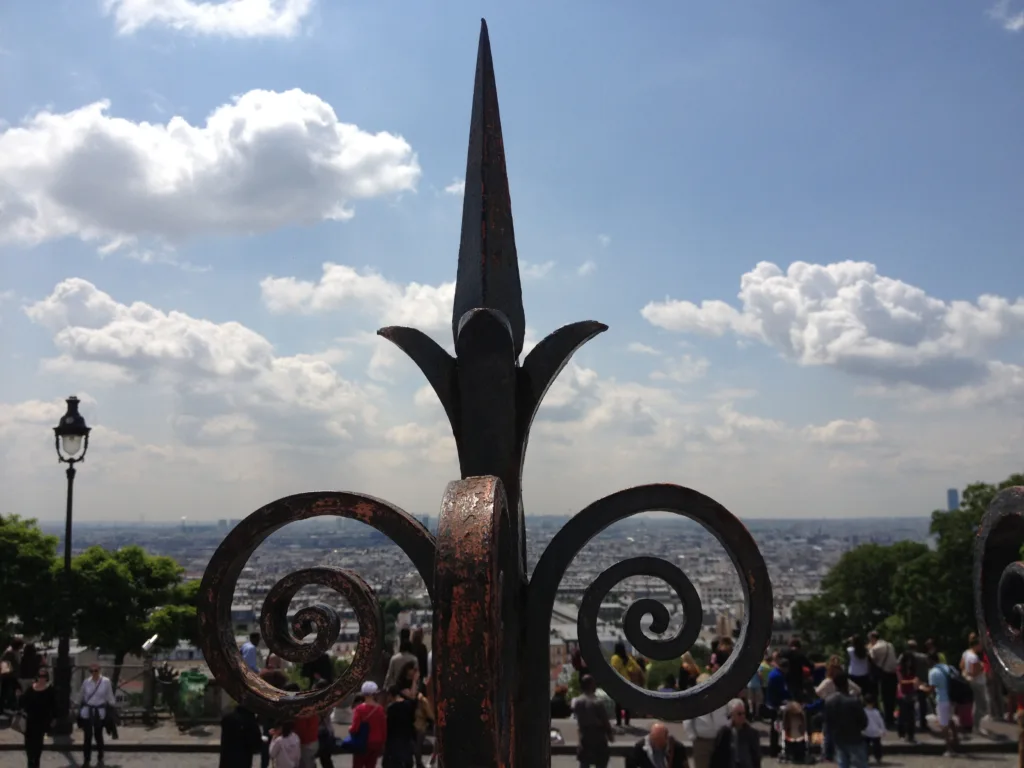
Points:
(952, 499)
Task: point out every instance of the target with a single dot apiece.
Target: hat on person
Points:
(369, 688)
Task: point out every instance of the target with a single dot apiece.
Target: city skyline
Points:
(806, 251)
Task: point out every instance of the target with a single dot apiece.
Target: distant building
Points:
(952, 499)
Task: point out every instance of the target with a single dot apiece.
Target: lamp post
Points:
(71, 440)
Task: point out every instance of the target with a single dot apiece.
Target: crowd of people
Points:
(389, 724)
(845, 705)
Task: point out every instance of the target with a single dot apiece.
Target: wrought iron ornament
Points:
(491, 629)
(999, 586)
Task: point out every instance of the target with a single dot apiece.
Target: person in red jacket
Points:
(372, 716)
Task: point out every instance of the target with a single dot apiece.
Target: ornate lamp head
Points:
(491, 634)
(71, 435)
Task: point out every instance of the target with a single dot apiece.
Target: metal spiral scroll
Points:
(286, 638)
(999, 586)
(755, 633)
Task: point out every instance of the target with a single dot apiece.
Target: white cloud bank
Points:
(263, 161)
(426, 307)
(226, 18)
(848, 316)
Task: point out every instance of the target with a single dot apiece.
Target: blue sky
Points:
(669, 151)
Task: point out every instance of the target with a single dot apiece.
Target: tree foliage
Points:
(905, 589)
(116, 592)
(28, 559)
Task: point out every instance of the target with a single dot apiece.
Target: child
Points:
(285, 749)
(794, 733)
(876, 727)
(368, 717)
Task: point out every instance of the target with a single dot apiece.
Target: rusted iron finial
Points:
(488, 268)
(491, 627)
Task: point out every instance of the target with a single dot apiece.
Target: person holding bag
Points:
(97, 700)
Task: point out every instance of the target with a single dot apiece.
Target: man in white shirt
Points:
(703, 731)
(973, 669)
(96, 696)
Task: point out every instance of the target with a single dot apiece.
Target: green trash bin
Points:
(191, 695)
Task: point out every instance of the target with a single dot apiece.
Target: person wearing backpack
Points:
(947, 684)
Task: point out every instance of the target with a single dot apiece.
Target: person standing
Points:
(938, 684)
(275, 676)
(776, 695)
(921, 667)
(800, 667)
(400, 742)
(906, 674)
(369, 715)
(627, 667)
(419, 650)
(704, 730)
(737, 744)
(250, 652)
(400, 660)
(859, 669)
(285, 749)
(846, 720)
(28, 667)
(97, 696)
(595, 729)
(240, 738)
(884, 660)
(973, 669)
(39, 704)
(658, 749)
(10, 662)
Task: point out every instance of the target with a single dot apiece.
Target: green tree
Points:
(906, 589)
(176, 620)
(28, 570)
(856, 594)
(116, 593)
(935, 593)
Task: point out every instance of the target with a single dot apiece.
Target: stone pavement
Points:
(166, 737)
(145, 760)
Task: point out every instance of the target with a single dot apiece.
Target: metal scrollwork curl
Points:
(755, 633)
(999, 585)
(285, 637)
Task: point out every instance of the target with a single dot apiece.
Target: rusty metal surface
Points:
(475, 588)
(999, 586)
(491, 629)
(755, 632)
(218, 588)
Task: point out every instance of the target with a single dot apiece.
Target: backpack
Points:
(959, 689)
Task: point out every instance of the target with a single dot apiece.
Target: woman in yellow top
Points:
(626, 666)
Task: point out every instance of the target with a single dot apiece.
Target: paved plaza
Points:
(53, 760)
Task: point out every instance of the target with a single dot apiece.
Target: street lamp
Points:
(71, 440)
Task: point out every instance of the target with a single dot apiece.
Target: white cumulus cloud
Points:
(848, 316)
(1011, 19)
(426, 307)
(457, 187)
(586, 268)
(228, 18)
(265, 160)
(532, 271)
(207, 364)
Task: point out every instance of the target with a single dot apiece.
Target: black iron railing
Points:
(491, 620)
